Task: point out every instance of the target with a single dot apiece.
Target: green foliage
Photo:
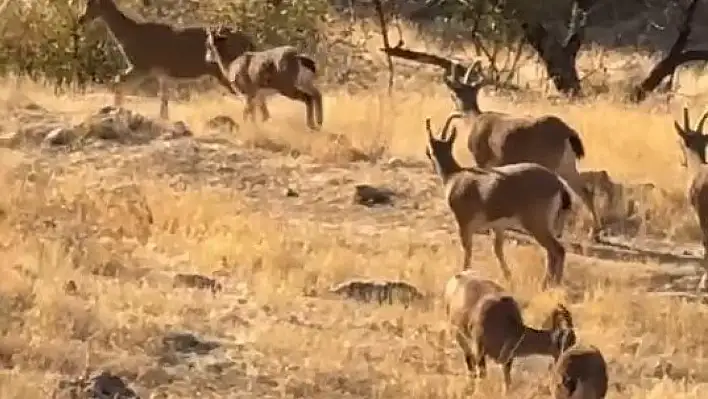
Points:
(42, 39)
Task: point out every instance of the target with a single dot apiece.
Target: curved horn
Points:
(453, 68)
(686, 124)
(702, 121)
(429, 129)
(466, 78)
(446, 126)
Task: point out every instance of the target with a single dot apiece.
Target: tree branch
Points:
(386, 44)
(675, 57)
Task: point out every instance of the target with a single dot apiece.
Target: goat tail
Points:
(307, 62)
(576, 143)
(567, 194)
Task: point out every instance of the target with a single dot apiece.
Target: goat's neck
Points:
(694, 162)
(121, 26)
(470, 109)
(533, 342)
(446, 167)
(231, 85)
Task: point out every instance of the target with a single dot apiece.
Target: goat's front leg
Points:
(129, 76)
(703, 283)
(499, 252)
(163, 88)
(261, 99)
(506, 369)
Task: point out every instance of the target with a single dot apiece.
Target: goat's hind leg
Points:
(577, 184)
(300, 95)
(466, 232)
(470, 359)
(542, 231)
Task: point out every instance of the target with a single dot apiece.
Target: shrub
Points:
(42, 39)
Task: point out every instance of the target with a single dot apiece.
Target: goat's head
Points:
(560, 324)
(93, 10)
(692, 140)
(464, 92)
(439, 151)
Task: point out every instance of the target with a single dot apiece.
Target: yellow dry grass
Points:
(277, 339)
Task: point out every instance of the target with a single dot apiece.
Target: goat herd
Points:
(526, 176)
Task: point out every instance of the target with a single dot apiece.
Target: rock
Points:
(59, 136)
(123, 126)
(223, 123)
(196, 281)
(369, 195)
(70, 287)
(101, 386)
(185, 342)
(289, 192)
(178, 130)
(378, 291)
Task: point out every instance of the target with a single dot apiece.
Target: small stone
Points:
(59, 136)
(196, 281)
(395, 162)
(369, 195)
(289, 192)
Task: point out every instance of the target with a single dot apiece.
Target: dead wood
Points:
(673, 59)
(386, 43)
(451, 67)
(559, 57)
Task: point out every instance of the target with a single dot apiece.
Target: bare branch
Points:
(675, 57)
(386, 44)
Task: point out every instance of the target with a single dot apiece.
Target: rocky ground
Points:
(366, 201)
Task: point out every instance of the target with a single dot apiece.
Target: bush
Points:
(42, 39)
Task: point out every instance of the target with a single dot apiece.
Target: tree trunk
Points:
(673, 59)
(559, 58)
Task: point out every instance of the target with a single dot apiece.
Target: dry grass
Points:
(118, 225)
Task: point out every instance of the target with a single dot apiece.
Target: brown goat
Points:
(257, 73)
(693, 145)
(160, 50)
(488, 322)
(580, 373)
(496, 139)
(523, 194)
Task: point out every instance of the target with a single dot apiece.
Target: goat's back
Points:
(504, 191)
(498, 324)
(178, 52)
(500, 139)
(463, 291)
(580, 373)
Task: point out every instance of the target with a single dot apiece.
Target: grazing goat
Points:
(160, 50)
(497, 139)
(282, 69)
(488, 322)
(523, 194)
(693, 144)
(580, 373)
